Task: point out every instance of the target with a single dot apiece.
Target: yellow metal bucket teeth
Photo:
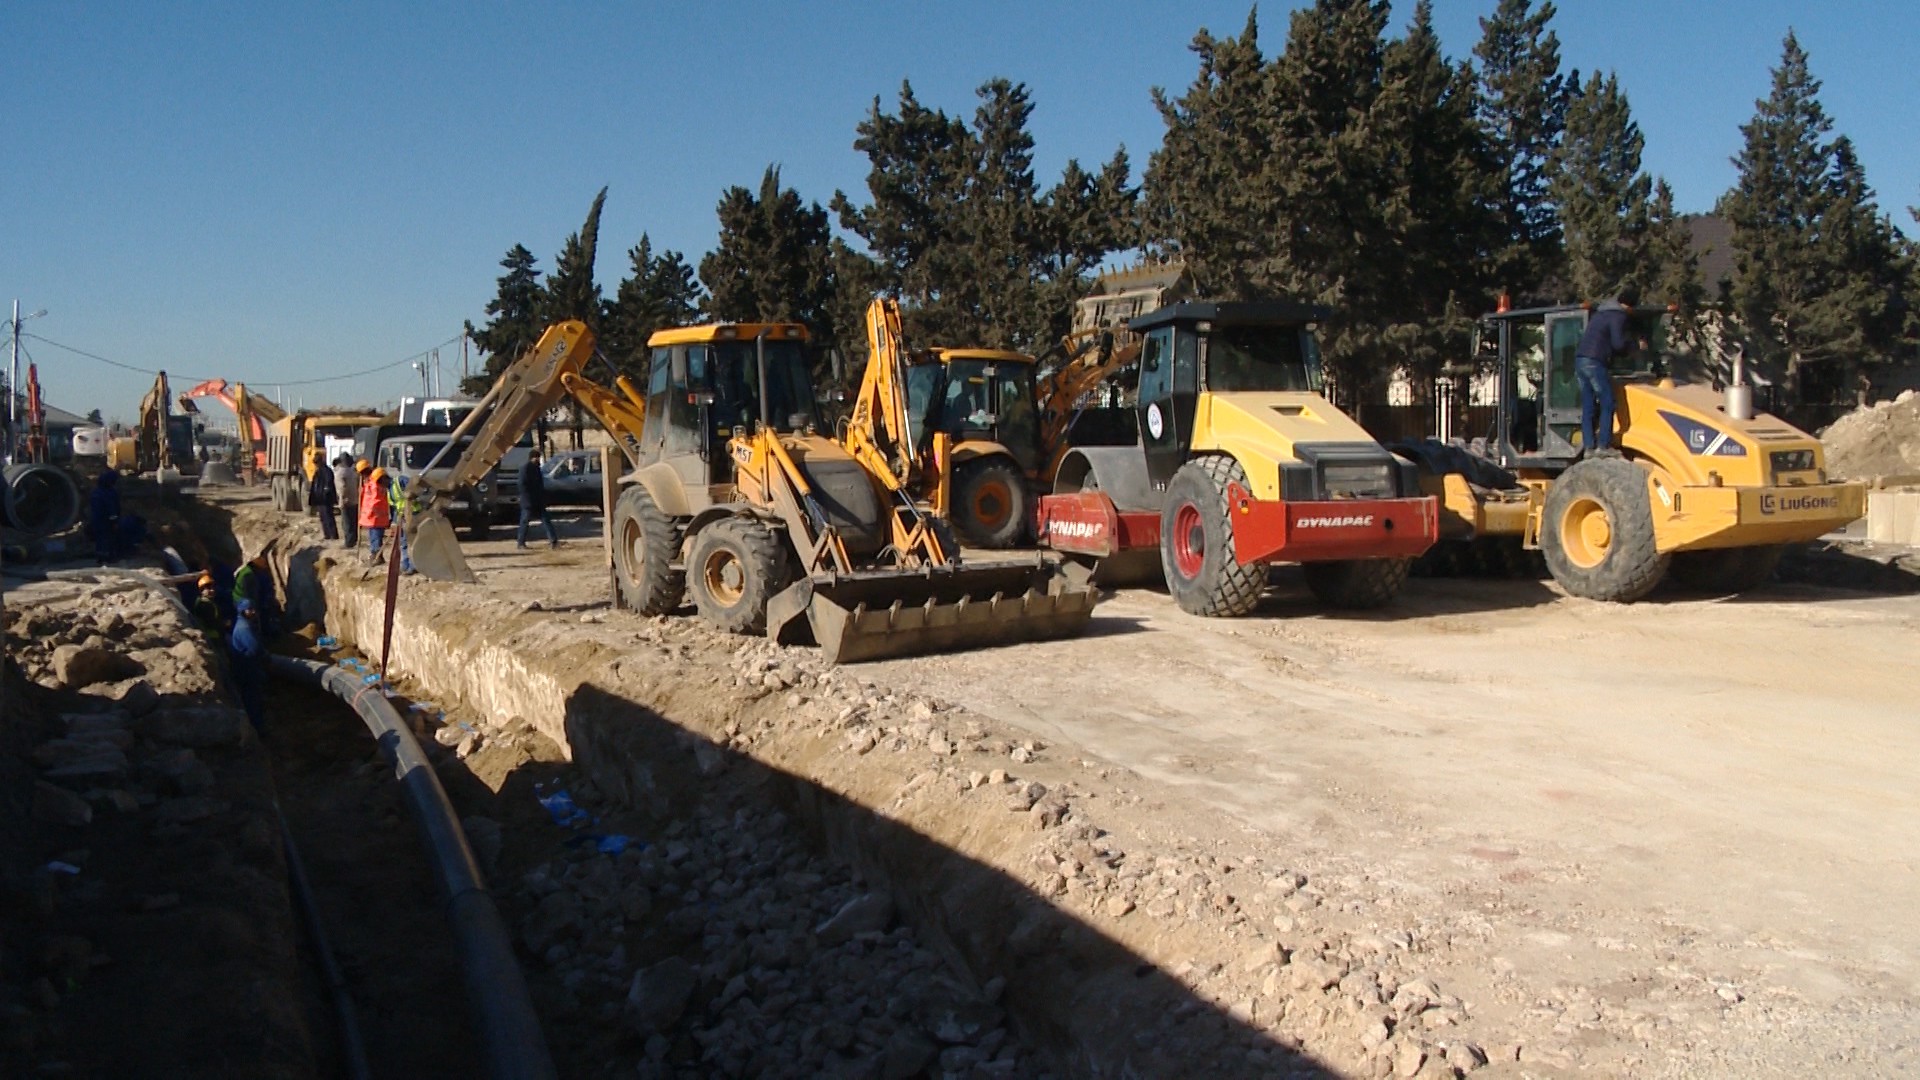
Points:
(434, 549)
(876, 614)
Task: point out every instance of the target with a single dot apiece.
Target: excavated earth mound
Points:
(1878, 441)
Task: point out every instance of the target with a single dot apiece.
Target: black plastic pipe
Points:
(352, 1048)
(515, 1047)
(39, 500)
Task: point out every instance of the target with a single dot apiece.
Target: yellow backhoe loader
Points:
(1703, 489)
(734, 499)
(976, 434)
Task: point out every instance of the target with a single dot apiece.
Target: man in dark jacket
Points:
(533, 500)
(253, 583)
(249, 654)
(1606, 337)
(324, 497)
(103, 516)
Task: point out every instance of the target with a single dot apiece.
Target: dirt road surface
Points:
(1686, 819)
(1732, 780)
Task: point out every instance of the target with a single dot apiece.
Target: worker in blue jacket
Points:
(1607, 336)
(249, 652)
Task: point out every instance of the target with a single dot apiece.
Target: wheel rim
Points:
(633, 545)
(1189, 541)
(724, 576)
(992, 503)
(1586, 532)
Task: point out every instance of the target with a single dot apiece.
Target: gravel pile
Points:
(724, 948)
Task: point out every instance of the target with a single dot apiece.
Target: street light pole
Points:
(13, 380)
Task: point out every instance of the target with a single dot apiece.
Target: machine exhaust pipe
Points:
(1739, 394)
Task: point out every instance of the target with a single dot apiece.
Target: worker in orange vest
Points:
(376, 513)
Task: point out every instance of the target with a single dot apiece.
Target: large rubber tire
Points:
(643, 549)
(1196, 542)
(1598, 532)
(1725, 571)
(734, 566)
(991, 504)
(1357, 584)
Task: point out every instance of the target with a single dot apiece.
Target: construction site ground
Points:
(1491, 829)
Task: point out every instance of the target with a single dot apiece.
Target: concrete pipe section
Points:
(40, 500)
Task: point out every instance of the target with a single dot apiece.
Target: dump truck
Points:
(735, 499)
(1240, 462)
(1702, 489)
(303, 442)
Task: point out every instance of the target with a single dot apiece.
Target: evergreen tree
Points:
(660, 292)
(1673, 270)
(1603, 197)
(959, 229)
(94, 417)
(773, 261)
(572, 292)
(1817, 280)
(1206, 183)
(1523, 101)
(1441, 183)
(514, 322)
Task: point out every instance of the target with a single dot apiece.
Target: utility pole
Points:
(13, 380)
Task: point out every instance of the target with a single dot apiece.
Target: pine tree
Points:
(1440, 177)
(773, 261)
(1522, 109)
(660, 292)
(1817, 280)
(515, 319)
(1602, 195)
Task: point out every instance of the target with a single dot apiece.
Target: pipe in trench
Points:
(40, 500)
(515, 1047)
(352, 1048)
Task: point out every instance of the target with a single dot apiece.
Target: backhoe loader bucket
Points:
(875, 614)
(434, 549)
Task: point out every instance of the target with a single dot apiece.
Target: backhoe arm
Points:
(526, 391)
(1089, 363)
(880, 432)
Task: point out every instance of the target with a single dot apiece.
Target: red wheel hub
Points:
(1189, 541)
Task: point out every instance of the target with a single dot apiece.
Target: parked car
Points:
(574, 478)
(470, 509)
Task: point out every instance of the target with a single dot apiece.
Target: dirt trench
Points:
(1040, 887)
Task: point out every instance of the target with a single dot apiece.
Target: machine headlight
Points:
(1786, 461)
(1372, 480)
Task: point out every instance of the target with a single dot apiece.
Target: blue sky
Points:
(286, 191)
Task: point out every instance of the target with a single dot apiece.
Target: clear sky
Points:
(289, 191)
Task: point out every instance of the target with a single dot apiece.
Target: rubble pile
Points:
(1878, 441)
(137, 813)
(724, 948)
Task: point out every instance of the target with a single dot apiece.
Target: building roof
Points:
(1712, 244)
(56, 416)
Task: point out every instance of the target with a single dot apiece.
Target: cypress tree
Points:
(571, 291)
(773, 261)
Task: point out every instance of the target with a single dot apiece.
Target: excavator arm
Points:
(880, 432)
(253, 415)
(1092, 357)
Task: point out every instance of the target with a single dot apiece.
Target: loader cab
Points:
(1537, 419)
(979, 396)
(1192, 349)
(704, 385)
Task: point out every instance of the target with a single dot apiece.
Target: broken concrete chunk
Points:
(659, 994)
(199, 727)
(871, 912)
(58, 806)
(78, 665)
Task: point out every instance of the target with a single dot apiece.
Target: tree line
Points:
(1356, 166)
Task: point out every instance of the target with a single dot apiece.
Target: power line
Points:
(376, 369)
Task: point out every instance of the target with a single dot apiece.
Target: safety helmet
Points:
(378, 474)
(362, 465)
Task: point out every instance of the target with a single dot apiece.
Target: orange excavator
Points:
(253, 413)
